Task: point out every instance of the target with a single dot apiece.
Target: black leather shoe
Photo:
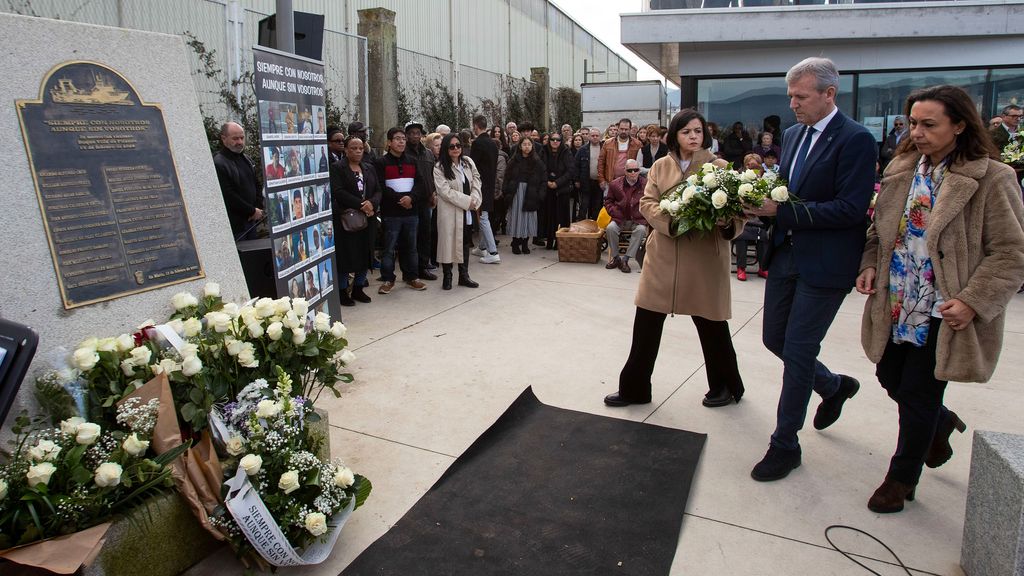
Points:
(776, 464)
(538, 241)
(465, 280)
(359, 295)
(830, 408)
(617, 400)
(721, 398)
(446, 282)
(347, 300)
(426, 275)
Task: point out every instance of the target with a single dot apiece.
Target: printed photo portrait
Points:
(325, 197)
(312, 284)
(297, 286)
(312, 207)
(297, 204)
(270, 118)
(305, 119)
(279, 212)
(283, 252)
(326, 274)
(319, 120)
(327, 234)
(272, 160)
(323, 164)
(313, 240)
(293, 161)
(289, 111)
(298, 247)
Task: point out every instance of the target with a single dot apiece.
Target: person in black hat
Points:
(335, 144)
(362, 131)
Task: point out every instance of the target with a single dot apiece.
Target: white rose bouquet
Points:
(1013, 152)
(269, 448)
(710, 196)
(63, 480)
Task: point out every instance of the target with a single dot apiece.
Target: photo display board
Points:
(293, 146)
(107, 186)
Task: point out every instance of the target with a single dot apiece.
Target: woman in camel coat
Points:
(458, 192)
(687, 274)
(943, 258)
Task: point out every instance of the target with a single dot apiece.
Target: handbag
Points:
(353, 220)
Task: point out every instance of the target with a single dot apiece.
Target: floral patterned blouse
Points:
(913, 298)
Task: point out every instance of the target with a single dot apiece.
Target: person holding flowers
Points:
(944, 256)
(684, 273)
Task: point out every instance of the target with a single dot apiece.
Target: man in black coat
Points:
(484, 153)
(426, 232)
(243, 197)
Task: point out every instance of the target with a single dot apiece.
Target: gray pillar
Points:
(539, 76)
(378, 26)
(285, 26)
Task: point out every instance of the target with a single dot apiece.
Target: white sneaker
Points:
(477, 252)
(491, 259)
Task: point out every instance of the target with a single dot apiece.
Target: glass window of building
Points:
(881, 97)
(750, 100)
(1007, 88)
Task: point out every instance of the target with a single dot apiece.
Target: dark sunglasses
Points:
(555, 140)
(337, 140)
(631, 170)
(454, 146)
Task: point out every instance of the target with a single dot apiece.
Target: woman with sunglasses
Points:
(558, 167)
(458, 195)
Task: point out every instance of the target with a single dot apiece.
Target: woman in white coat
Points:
(458, 194)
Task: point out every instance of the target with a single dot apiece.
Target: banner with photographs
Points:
(293, 143)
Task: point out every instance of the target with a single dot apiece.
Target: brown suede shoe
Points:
(889, 497)
(416, 285)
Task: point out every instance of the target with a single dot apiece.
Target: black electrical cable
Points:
(852, 559)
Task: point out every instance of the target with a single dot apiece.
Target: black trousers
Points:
(591, 200)
(426, 236)
(715, 343)
(556, 214)
(907, 373)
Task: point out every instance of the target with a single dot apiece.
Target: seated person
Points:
(753, 162)
(771, 163)
(623, 205)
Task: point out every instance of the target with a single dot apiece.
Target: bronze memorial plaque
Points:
(107, 186)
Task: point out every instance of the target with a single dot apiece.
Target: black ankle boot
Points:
(446, 276)
(525, 246)
(464, 279)
(515, 246)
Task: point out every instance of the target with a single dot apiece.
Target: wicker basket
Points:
(579, 246)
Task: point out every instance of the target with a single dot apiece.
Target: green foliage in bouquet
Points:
(63, 480)
(1013, 152)
(268, 438)
(710, 197)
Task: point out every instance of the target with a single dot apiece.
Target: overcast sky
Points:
(602, 20)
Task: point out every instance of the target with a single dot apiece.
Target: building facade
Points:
(733, 67)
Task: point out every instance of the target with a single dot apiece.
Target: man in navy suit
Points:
(829, 161)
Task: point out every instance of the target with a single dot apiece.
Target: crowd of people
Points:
(939, 256)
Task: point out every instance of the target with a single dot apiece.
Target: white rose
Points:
(248, 315)
(219, 321)
(719, 199)
(183, 300)
(316, 523)
(298, 335)
(255, 329)
(745, 190)
(192, 326)
(127, 366)
(676, 205)
(291, 320)
(268, 408)
(234, 445)
(707, 167)
(188, 349)
(688, 194)
(87, 433)
(247, 357)
(212, 289)
(136, 384)
(231, 309)
(70, 426)
(338, 330)
(780, 194)
(265, 307)
(234, 347)
(124, 343)
(322, 322)
(191, 366)
(106, 345)
(166, 365)
(40, 474)
(282, 305)
(346, 356)
(177, 325)
(141, 355)
(343, 477)
(710, 180)
(748, 176)
(44, 451)
(3, 489)
(108, 474)
(274, 331)
(251, 463)
(134, 446)
(665, 205)
(85, 358)
(289, 482)
(300, 306)
(691, 179)
(90, 342)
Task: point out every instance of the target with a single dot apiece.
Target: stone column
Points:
(378, 26)
(539, 76)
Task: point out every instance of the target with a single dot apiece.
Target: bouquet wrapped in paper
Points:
(714, 195)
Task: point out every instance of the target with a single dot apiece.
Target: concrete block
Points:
(993, 543)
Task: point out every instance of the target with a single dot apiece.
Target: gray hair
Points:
(1009, 108)
(823, 70)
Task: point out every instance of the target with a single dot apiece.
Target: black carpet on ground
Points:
(552, 492)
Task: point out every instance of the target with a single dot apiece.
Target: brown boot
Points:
(889, 497)
(940, 451)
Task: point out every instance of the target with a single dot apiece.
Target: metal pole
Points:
(285, 26)
(236, 29)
